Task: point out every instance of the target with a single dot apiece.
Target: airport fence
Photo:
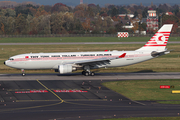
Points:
(79, 35)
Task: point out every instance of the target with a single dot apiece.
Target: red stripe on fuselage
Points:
(62, 58)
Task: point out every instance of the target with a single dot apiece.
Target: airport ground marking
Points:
(68, 100)
(138, 102)
(50, 91)
(24, 108)
(34, 100)
(46, 89)
(82, 104)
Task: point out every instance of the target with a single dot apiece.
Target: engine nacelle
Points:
(66, 69)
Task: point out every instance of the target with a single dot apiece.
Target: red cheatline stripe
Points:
(32, 91)
(63, 58)
(69, 91)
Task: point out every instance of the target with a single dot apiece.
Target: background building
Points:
(81, 1)
(152, 21)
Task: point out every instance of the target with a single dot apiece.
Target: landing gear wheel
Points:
(92, 74)
(83, 72)
(86, 73)
(23, 74)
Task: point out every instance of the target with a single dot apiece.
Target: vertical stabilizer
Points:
(159, 41)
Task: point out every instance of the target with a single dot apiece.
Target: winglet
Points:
(123, 55)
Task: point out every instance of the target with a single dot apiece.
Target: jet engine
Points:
(66, 69)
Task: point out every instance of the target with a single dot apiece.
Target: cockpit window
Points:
(11, 59)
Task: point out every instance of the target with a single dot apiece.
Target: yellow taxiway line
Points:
(50, 91)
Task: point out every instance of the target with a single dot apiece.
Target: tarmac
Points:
(75, 97)
(98, 76)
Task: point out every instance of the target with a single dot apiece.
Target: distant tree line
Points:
(82, 19)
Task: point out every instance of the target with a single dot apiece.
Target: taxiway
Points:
(75, 97)
(98, 76)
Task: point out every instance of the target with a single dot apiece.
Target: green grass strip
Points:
(146, 89)
(77, 39)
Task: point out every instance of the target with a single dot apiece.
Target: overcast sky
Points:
(100, 2)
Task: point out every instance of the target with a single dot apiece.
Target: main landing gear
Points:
(87, 71)
(23, 73)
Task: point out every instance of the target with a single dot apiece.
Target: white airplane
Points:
(70, 61)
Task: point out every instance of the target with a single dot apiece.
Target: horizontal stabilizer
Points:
(156, 54)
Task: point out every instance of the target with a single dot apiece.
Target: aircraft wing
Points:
(99, 61)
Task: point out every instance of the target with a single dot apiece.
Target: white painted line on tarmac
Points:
(139, 102)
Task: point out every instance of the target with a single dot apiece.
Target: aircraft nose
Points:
(5, 62)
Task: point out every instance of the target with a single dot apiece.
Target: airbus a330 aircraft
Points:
(71, 61)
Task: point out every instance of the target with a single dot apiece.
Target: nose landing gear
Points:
(23, 73)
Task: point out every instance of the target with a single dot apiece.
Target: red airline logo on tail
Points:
(159, 39)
